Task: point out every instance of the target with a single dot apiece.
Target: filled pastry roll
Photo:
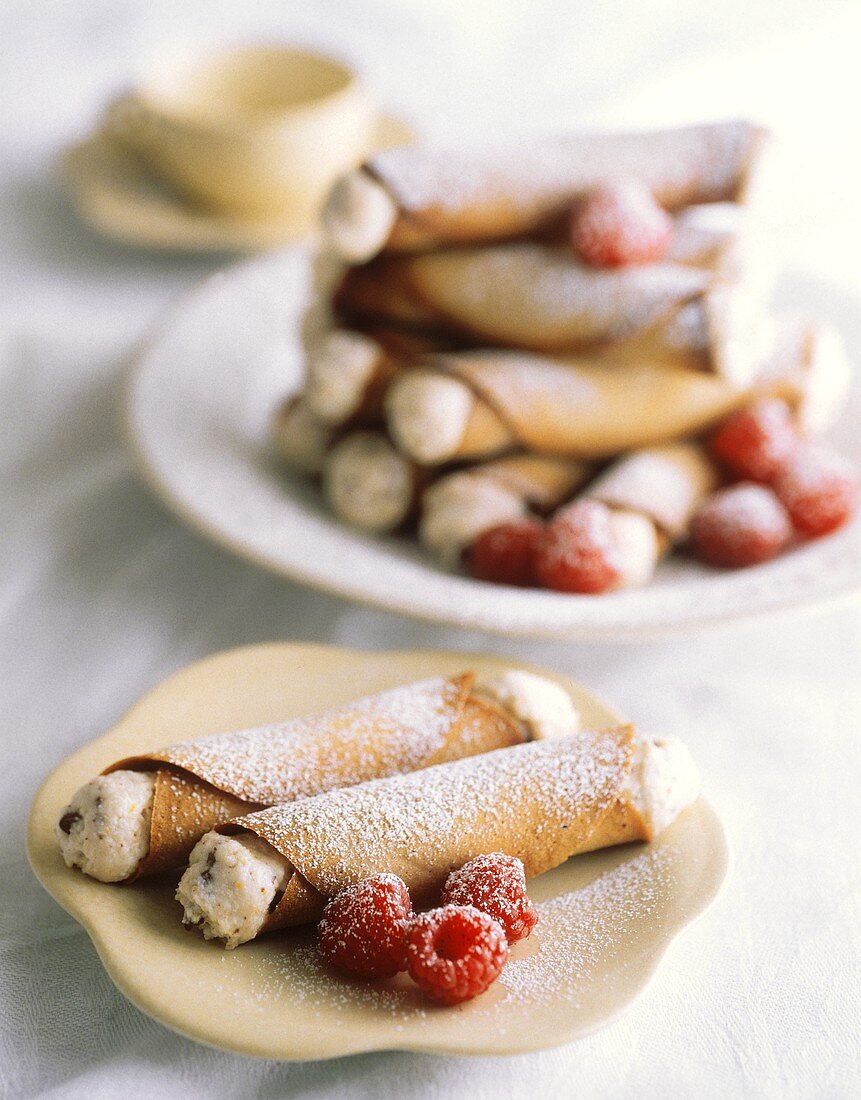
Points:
(416, 199)
(652, 495)
(542, 802)
(459, 506)
(369, 484)
(476, 404)
(144, 814)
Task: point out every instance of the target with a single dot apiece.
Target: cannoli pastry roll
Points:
(477, 404)
(520, 295)
(415, 199)
(543, 802)
(456, 508)
(349, 370)
(652, 495)
(144, 814)
(369, 484)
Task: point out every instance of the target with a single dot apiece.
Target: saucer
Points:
(113, 192)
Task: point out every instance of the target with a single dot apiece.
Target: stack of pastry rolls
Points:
(466, 367)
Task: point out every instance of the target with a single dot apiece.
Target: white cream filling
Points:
(663, 781)
(459, 507)
(827, 381)
(367, 483)
(230, 885)
(105, 829)
(544, 708)
(301, 440)
(340, 367)
(427, 415)
(358, 216)
(638, 547)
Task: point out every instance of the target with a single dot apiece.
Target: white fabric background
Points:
(102, 593)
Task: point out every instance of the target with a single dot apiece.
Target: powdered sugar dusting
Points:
(530, 295)
(581, 931)
(539, 801)
(383, 734)
(703, 163)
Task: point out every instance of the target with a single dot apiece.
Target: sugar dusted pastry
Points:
(459, 506)
(593, 407)
(370, 485)
(523, 295)
(544, 801)
(652, 495)
(147, 812)
(413, 199)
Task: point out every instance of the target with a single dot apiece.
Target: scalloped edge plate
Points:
(606, 918)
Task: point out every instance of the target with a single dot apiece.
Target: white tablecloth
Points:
(102, 593)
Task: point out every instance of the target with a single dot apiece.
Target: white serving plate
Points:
(198, 411)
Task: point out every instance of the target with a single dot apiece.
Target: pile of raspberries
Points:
(453, 953)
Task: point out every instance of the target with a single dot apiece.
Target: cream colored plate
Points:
(115, 195)
(198, 414)
(605, 919)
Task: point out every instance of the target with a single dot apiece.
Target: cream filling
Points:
(638, 547)
(367, 483)
(230, 886)
(340, 367)
(827, 381)
(301, 440)
(358, 216)
(662, 782)
(459, 507)
(543, 706)
(427, 415)
(105, 829)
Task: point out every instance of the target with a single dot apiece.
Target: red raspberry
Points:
(505, 554)
(618, 224)
(577, 552)
(820, 490)
(742, 525)
(363, 930)
(455, 953)
(758, 442)
(495, 884)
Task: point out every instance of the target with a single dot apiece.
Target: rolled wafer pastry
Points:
(456, 508)
(369, 484)
(542, 802)
(348, 371)
(520, 295)
(413, 199)
(480, 403)
(652, 494)
(144, 814)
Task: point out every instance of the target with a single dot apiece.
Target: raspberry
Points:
(495, 884)
(505, 554)
(758, 442)
(577, 551)
(455, 953)
(742, 525)
(619, 224)
(363, 930)
(819, 489)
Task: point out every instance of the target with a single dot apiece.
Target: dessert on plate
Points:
(406, 824)
(498, 334)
